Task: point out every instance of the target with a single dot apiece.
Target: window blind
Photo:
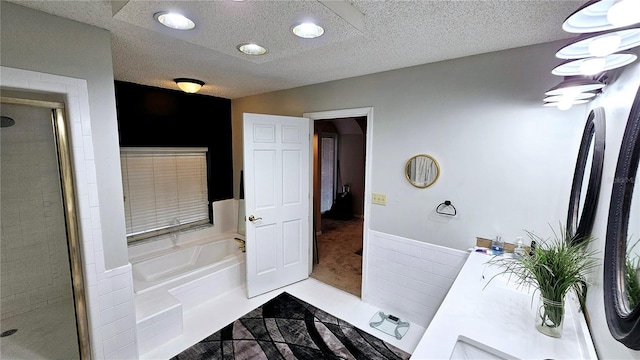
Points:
(162, 186)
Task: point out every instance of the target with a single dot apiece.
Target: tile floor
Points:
(45, 333)
(215, 314)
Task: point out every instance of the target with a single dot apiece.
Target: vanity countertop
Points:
(500, 316)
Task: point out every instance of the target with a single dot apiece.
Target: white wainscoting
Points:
(409, 278)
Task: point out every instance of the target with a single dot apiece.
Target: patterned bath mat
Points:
(289, 328)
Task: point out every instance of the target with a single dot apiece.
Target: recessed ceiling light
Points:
(174, 20)
(582, 46)
(594, 65)
(252, 49)
(308, 30)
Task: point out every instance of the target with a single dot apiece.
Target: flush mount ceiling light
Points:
(174, 20)
(593, 65)
(252, 49)
(189, 85)
(308, 30)
(574, 85)
(601, 44)
(602, 15)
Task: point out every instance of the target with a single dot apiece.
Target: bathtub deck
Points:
(208, 317)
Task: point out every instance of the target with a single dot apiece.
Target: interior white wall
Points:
(506, 161)
(37, 41)
(616, 100)
(351, 154)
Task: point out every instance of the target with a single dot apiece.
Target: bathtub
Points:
(174, 267)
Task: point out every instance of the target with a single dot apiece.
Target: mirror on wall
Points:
(621, 258)
(587, 176)
(422, 171)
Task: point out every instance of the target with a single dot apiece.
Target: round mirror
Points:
(621, 283)
(422, 171)
(587, 177)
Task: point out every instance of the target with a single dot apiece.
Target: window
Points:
(164, 190)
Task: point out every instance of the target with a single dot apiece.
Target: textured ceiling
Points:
(395, 34)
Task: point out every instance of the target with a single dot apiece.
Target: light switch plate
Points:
(379, 199)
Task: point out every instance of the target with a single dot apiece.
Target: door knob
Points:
(253, 218)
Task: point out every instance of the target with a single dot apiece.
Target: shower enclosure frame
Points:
(63, 148)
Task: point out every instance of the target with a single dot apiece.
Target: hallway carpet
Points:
(340, 264)
(289, 328)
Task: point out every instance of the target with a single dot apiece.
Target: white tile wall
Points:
(409, 278)
(109, 293)
(34, 262)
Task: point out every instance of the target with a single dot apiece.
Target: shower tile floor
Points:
(213, 315)
(45, 333)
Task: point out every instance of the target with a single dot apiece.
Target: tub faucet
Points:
(241, 244)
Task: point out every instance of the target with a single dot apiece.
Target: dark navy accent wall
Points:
(155, 117)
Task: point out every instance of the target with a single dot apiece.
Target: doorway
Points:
(43, 307)
(340, 151)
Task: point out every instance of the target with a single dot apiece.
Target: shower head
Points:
(6, 121)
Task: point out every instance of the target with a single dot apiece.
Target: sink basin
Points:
(466, 348)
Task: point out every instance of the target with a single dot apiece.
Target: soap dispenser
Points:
(518, 252)
(497, 245)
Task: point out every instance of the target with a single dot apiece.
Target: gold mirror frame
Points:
(412, 181)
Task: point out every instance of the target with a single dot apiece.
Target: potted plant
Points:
(553, 268)
(631, 280)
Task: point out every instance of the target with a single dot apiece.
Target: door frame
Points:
(344, 113)
(62, 142)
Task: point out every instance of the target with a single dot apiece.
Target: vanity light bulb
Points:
(564, 105)
(570, 94)
(593, 66)
(603, 46)
(623, 13)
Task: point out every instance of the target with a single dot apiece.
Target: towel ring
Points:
(442, 208)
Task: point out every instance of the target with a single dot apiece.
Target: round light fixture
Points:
(594, 65)
(308, 30)
(252, 49)
(189, 85)
(624, 13)
(574, 85)
(593, 16)
(174, 20)
(587, 45)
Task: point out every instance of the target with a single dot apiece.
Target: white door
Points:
(276, 176)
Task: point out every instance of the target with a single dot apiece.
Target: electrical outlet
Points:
(380, 199)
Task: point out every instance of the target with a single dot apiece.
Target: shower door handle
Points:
(253, 218)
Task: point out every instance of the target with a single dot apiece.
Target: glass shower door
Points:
(38, 317)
